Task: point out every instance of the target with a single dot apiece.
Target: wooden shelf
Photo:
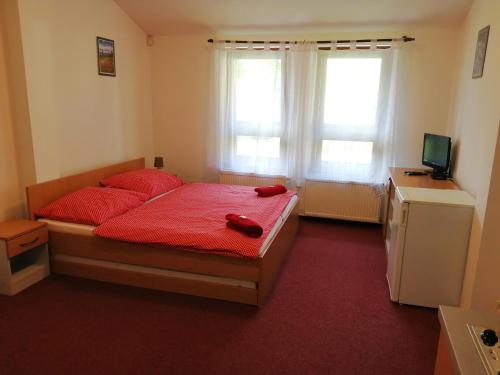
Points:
(28, 276)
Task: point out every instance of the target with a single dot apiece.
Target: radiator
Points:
(231, 178)
(355, 202)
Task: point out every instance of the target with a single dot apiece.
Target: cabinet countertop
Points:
(436, 196)
(454, 322)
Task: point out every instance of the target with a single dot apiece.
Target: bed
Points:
(75, 251)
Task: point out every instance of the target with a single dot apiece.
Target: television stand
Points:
(439, 175)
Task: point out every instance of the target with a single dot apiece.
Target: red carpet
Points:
(329, 314)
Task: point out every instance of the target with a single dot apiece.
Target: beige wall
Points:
(15, 86)
(486, 287)
(10, 192)
(181, 93)
(180, 82)
(427, 103)
(475, 126)
(80, 120)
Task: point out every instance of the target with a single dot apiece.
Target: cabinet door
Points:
(437, 238)
(395, 245)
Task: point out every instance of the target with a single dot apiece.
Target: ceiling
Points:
(171, 17)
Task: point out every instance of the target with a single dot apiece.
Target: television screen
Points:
(436, 152)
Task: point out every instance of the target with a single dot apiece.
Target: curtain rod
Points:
(404, 39)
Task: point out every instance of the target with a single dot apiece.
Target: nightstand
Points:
(24, 258)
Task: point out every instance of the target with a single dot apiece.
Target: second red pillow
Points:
(148, 181)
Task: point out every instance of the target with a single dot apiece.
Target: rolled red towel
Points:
(243, 224)
(269, 191)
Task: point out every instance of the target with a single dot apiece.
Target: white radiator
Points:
(355, 202)
(231, 178)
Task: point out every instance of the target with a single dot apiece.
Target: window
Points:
(351, 92)
(346, 119)
(306, 113)
(256, 141)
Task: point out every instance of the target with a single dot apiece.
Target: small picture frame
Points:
(482, 44)
(106, 57)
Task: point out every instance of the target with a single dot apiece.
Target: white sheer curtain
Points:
(251, 110)
(354, 116)
(302, 61)
(306, 113)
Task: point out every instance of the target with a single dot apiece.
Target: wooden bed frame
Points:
(175, 270)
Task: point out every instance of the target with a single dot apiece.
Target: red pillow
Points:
(92, 205)
(149, 181)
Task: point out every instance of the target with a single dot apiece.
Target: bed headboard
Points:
(41, 194)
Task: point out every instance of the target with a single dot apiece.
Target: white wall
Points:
(80, 120)
(475, 126)
(181, 92)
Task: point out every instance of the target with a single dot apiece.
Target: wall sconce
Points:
(158, 162)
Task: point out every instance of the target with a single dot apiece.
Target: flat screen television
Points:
(436, 154)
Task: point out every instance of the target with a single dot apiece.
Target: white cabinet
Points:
(427, 242)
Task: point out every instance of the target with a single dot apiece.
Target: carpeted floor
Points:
(329, 314)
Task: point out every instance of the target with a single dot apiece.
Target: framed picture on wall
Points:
(106, 57)
(482, 43)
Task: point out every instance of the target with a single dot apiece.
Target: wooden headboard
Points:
(42, 194)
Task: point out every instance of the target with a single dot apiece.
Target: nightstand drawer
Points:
(27, 241)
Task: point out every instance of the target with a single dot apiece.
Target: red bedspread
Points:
(193, 216)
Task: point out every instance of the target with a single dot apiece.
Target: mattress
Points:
(87, 230)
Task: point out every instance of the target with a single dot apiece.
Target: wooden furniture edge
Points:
(156, 282)
(162, 257)
(39, 195)
(12, 229)
(387, 205)
(443, 364)
(273, 260)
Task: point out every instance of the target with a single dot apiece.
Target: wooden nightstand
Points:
(24, 257)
